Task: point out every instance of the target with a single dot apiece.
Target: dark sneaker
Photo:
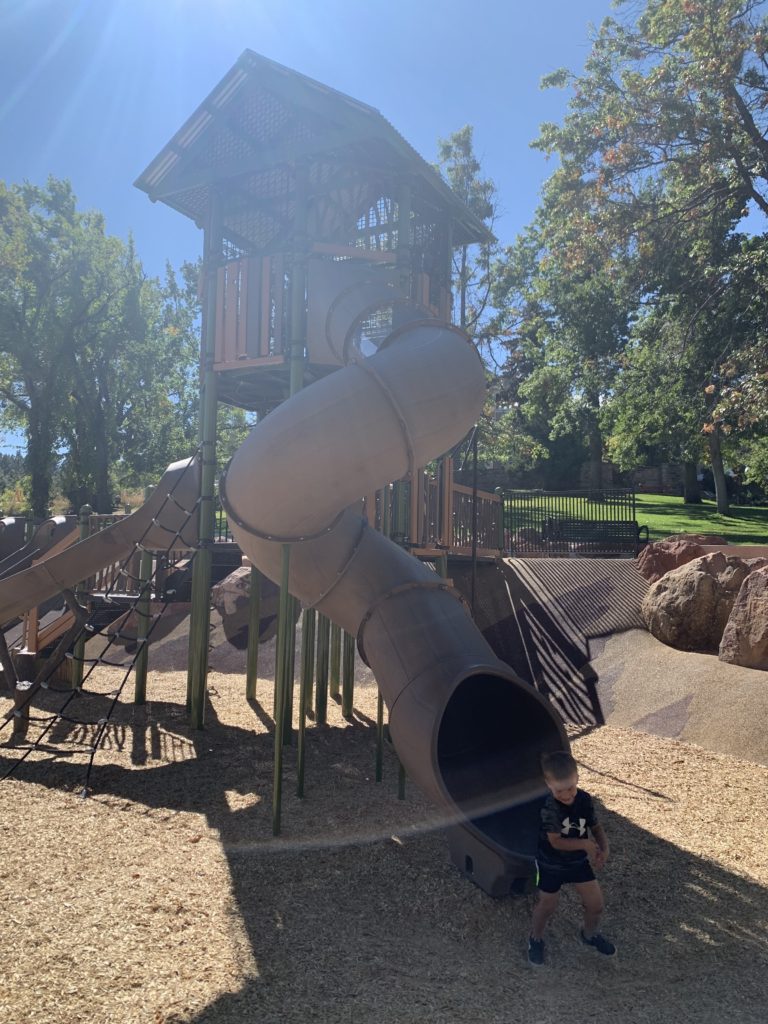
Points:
(536, 952)
(600, 943)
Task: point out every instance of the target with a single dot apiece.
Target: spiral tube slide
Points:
(468, 731)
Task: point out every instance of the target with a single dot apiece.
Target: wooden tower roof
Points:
(258, 123)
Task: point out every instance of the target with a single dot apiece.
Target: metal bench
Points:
(610, 537)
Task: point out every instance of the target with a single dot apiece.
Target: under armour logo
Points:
(568, 825)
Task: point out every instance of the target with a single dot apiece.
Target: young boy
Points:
(567, 854)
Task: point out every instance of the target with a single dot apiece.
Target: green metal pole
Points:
(323, 652)
(499, 492)
(78, 651)
(335, 662)
(401, 782)
(385, 517)
(280, 690)
(200, 616)
(305, 695)
(290, 677)
(398, 519)
(254, 624)
(348, 675)
(310, 630)
(379, 737)
(142, 626)
(297, 327)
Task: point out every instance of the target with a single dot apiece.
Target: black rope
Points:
(101, 725)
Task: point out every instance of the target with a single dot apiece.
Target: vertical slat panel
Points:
(242, 309)
(251, 311)
(278, 344)
(230, 314)
(265, 307)
(446, 516)
(221, 278)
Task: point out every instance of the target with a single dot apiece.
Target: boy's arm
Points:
(558, 842)
(601, 839)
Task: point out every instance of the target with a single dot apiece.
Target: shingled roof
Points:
(258, 123)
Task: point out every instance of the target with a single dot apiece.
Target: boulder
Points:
(745, 639)
(689, 607)
(698, 538)
(231, 599)
(662, 556)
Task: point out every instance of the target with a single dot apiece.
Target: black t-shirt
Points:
(571, 821)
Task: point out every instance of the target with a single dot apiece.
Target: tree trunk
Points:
(716, 455)
(39, 461)
(691, 489)
(595, 458)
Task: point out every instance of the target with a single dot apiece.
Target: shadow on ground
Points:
(370, 922)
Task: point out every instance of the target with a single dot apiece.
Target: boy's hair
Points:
(558, 764)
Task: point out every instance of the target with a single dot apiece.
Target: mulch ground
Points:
(164, 898)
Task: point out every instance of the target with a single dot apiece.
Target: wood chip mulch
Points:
(164, 898)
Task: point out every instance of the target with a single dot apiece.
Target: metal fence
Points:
(564, 523)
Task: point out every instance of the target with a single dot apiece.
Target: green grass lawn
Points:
(664, 514)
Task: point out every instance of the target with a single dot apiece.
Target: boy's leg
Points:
(546, 905)
(591, 896)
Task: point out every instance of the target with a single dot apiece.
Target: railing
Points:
(547, 523)
(121, 578)
(436, 516)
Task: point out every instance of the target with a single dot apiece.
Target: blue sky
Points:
(91, 90)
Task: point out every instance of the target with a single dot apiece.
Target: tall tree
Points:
(472, 264)
(664, 141)
(35, 228)
(94, 357)
(564, 299)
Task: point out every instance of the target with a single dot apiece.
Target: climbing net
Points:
(72, 646)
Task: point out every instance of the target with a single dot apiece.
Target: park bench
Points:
(609, 537)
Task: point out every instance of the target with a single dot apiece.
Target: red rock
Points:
(231, 599)
(662, 556)
(745, 639)
(689, 606)
(698, 538)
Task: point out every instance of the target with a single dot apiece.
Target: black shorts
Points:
(552, 876)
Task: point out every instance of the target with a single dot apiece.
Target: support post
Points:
(499, 492)
(280, 704)
(297, 346)
(78, 651)
(254, 625)
(305, 692)
(290, 669)
(335, 661)
(379, 737)
(348, 676)
(323, 651)
(200, 616)
(142, 624)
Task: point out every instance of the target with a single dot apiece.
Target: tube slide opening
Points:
(490, 739)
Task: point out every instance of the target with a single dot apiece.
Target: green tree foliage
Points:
(472, 264)
(661, 155)
(94, 357)
(564, 299)
(681, 93)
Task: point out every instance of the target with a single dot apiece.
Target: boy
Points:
(567, 854)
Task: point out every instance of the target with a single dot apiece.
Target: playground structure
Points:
(326, 282)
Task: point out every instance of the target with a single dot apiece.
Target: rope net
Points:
(94, 730)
